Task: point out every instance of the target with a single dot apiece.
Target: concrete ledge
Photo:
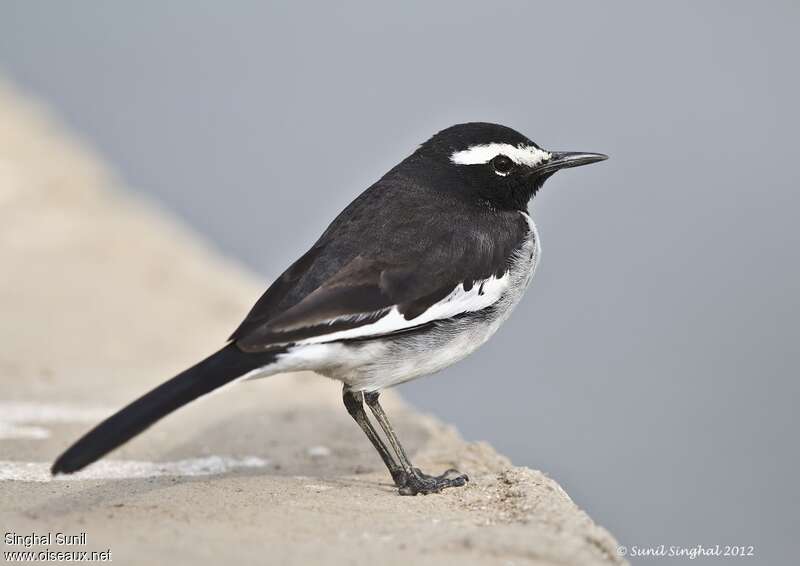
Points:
(104, 297)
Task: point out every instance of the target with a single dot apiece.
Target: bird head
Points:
(494, 163)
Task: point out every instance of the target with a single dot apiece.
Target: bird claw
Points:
(419, 482)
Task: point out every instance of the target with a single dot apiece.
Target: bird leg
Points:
(413, 481)
(353, 403)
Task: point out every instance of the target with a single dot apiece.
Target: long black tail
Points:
(213, 372)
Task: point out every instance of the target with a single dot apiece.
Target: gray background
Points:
(652, 370)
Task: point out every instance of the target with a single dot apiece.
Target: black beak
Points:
(566, 159)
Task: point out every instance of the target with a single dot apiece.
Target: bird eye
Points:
(502, 165)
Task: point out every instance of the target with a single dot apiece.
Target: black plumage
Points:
(419, 251)
(213, 372)
(408, 240)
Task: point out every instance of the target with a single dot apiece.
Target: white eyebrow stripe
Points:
(483, 153)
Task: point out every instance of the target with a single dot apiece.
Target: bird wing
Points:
(379, 270)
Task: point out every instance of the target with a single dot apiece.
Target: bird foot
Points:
(418, 482)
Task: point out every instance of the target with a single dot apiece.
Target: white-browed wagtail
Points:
(414, 275)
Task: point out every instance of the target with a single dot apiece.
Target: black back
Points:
(408, 240)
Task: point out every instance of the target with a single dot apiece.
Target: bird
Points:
(415, 274)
